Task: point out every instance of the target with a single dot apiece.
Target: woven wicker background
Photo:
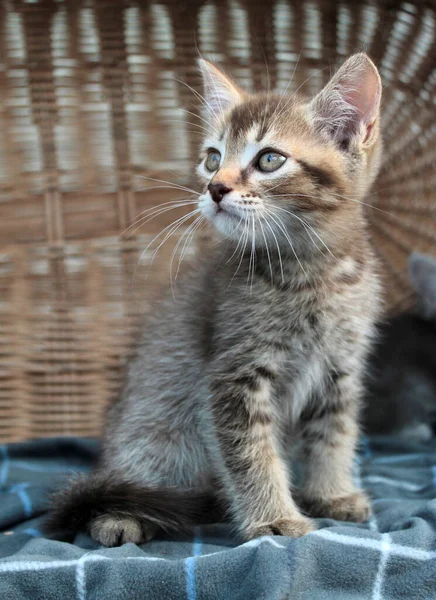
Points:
(90, 101)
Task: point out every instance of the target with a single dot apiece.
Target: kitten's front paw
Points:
(111, 531)
(353, 507)
(290, 526)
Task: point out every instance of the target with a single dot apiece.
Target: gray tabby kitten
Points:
(263, 351)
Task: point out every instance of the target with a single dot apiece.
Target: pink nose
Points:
(218, 191)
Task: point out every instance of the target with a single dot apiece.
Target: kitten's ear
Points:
(220, 92)
(422, 275)
(349, 105)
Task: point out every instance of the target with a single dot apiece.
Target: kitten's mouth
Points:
(223, 212)
(234, 212)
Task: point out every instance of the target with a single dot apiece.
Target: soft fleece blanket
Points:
(392, 557)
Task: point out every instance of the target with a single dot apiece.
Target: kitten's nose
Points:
(217, 191)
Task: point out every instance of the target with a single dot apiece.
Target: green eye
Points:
(213, 160)
(270, 161)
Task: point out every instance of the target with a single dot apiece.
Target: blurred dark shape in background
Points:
(401, 397)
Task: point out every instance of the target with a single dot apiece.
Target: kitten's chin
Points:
(226, 224)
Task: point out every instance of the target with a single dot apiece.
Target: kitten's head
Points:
(275, 166)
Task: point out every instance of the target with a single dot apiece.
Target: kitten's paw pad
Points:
(355, 507)
(112, 531)
(292, 527)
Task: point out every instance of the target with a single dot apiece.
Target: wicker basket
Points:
(91, 101)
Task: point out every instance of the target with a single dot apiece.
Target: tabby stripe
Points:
(318, 175)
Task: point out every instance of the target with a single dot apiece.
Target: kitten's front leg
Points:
(253, 474)
(330, 435)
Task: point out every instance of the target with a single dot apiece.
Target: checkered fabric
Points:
(392, 557)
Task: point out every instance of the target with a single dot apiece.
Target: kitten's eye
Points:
(270, 161)
(213, 160)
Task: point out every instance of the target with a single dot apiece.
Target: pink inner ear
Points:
(369, 129)
(349, 104)
(364, 95)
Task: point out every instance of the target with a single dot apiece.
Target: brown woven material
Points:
(91, 101)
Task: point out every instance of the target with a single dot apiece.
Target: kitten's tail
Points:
(89, 496)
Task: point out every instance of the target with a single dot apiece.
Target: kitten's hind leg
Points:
(330, 436)
(110, 530)
(116, 510)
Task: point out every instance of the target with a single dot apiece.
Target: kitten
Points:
(264, 350)
(402, 381)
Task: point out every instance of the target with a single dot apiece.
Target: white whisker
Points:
(292, 96)
(180, 121)
(252, 255)
(197, 94)
(275, 186)
(210, 126)
(172, 227)
(239, 240)
(185, 235)
(285, 233)
(366, 204)
(268, 89)
(245, 234)
(278, 249)
(162, 204)
(177, 186)
(199, 221)
(274, 115)
(138, 223)
(304, 223)
(307, 228)
(339, 196)
(266, 247)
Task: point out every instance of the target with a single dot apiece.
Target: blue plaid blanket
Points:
(392, 557)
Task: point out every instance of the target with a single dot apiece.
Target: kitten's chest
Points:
(305, 371)
(331, 341)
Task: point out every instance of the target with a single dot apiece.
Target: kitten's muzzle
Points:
(218, 191)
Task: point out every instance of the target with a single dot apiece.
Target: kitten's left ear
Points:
(220, 92)
(349, 105)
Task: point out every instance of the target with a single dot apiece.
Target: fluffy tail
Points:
(89, 496)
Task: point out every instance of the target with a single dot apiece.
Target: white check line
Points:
(402, 485)
(374, 544)
(385, 546)
(25, 565)
(33, 565)
(80, 578)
